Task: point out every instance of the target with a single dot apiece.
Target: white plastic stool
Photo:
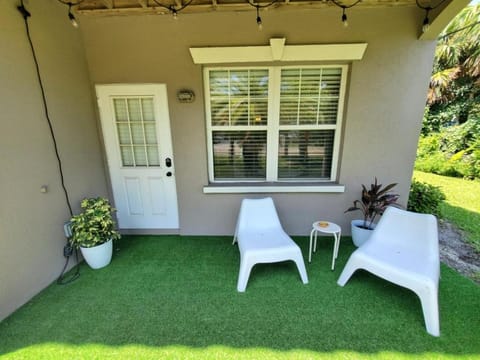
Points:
(327, 228)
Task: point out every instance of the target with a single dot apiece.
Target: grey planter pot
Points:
(359, 234)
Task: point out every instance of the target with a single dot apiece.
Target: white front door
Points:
(136, 131)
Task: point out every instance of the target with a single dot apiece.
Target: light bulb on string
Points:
(344, 18)
(71, 17)
(259, 20)
(426, 21)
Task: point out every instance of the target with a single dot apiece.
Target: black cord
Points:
(26, 15)
(458, 30)
(172, 8)
(69, 3)
(64, 281)
(428, 8)
(345, 6)
(259, 6)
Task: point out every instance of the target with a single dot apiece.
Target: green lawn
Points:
(172, 297)
(462, 206)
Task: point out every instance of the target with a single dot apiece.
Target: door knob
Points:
(168, 162)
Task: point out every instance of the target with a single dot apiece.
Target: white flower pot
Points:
(359, 234)
(98, 256)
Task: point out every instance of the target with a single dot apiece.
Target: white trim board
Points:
(278, 51)
(212, 189)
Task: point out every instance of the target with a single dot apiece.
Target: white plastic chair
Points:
(261, 239)
(403, 249)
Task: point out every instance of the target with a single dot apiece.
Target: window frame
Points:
(273, 127)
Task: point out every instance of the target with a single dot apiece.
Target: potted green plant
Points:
(93, 231)
(372, 203)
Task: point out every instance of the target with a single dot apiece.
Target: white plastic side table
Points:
(327, 228)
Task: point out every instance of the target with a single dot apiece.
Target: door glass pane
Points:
(120, 106)
(140, 155)
(136, 131)
(127, 155)
(305, 154)
(147, 109)
(123, 133)
(150, 134)
(152, 155)
(239, 155)
(134, 110)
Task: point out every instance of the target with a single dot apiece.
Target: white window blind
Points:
(275, 123)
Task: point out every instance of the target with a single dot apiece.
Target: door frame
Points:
(110, 138)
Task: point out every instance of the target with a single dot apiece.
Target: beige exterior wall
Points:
(31, 234)
(386, 96)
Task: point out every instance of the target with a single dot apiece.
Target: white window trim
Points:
(273, 126)
(278, 51)
(254, 189)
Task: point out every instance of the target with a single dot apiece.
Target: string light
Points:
(70, 15)
(344, 18)
(174, 10)
(258, 7)
(426, 20)
(344, 8)
(259, 20)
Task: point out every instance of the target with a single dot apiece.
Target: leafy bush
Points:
(455, 151)
(424, 198)
(94, 225)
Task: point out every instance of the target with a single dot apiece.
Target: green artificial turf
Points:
(173, 297)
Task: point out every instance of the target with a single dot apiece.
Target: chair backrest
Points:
(257, 214)
(409, 230)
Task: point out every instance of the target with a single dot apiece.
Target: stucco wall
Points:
(31, 234)
(386, 95)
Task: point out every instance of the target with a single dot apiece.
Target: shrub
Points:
(453, 152)
(425, 198)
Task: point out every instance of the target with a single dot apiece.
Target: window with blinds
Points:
(274, 123)
(136, 130)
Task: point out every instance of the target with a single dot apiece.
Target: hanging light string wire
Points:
(172, 8)
(345, 6)
(62, 280)
(260, 6)
(426, 20)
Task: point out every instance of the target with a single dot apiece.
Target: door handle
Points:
(168, 162)
(169, 173)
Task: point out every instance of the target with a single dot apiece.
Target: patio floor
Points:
(175, 297)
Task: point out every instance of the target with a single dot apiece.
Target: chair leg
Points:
(348, 270)
(336, 245)
(301, 268)
(244, 274)
(429, 301)
(310, 246)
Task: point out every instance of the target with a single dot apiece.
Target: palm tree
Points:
(456, 71)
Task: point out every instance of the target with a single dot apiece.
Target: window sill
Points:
(246, 188)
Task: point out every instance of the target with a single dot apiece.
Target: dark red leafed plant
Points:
(374, 201)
